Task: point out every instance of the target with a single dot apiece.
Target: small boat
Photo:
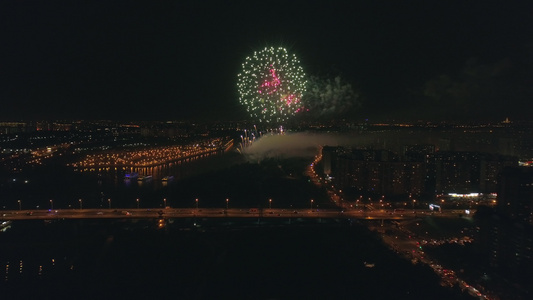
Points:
(167, 178)
(131, 175)
(144, 178)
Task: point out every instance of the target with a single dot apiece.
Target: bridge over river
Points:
(138, 213)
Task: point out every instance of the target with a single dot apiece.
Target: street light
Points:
(312, 204)
(270, 203)
(81, 203)
(109, 202)
(137, 203)
(165, 202)
(227, 203)
(196, 203)
(414, 203)
(51, 204)
(20, 205)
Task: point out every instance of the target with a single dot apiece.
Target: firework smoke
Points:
(292, 145)
(329, 97)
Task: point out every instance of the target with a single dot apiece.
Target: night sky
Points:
(170, 60)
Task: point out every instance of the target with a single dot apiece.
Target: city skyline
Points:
(137, 60)
(266, 149)
(426, 193)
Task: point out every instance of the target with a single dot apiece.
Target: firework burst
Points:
(271, 85)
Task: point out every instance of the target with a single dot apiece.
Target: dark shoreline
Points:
(222, 259)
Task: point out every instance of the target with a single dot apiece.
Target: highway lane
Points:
(213, 213)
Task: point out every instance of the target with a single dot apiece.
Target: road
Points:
(408, 245)
(212, 213)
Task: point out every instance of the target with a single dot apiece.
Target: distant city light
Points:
(464, 195)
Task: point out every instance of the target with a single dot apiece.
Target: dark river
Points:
(65, 186)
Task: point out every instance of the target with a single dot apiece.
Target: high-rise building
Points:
(506, 234)
(469, 172)
(515, 195)
(457, 172)
(16, 127)
(378, 172)
(490, 168)
(329, 159)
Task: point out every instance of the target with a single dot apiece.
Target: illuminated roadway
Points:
(137, 213)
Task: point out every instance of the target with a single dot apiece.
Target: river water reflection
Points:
(106, 187)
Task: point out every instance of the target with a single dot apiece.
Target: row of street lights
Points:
(80, 201)
(51, 204)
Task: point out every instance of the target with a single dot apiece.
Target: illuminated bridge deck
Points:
(140, 213)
